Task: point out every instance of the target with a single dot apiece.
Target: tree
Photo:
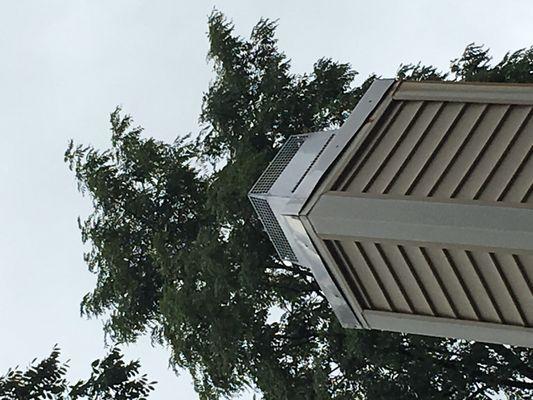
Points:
(111, 379)
(179, 253)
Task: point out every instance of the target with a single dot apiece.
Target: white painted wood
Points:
(447, 327)
(457, 223)
(465, 92)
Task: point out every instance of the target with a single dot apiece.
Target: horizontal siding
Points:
(447, 150)
(445, 142)
(387, 142)
(451, 283)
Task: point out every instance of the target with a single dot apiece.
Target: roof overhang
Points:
(317, 216)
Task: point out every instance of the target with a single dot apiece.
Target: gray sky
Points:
(66, 64)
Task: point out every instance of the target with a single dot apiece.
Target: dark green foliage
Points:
(145, 197)
(45, 379)
(178, 251)
(418, 72)
(474, 65)
(111, 379)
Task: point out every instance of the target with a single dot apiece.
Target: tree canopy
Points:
(111, 379)
(179, 254)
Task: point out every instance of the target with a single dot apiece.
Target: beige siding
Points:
(452, 147)
(447, 150)
(453, 283)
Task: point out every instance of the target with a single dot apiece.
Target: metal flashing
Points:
(286, 185)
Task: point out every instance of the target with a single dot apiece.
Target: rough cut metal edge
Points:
(296, 184)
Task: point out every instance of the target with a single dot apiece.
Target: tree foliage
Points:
(111, 379)
(179, 254)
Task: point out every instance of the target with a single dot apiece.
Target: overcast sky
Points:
(66, 64)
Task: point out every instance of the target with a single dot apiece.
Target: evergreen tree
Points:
(179, 253)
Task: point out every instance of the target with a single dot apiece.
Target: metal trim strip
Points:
(448, 327)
